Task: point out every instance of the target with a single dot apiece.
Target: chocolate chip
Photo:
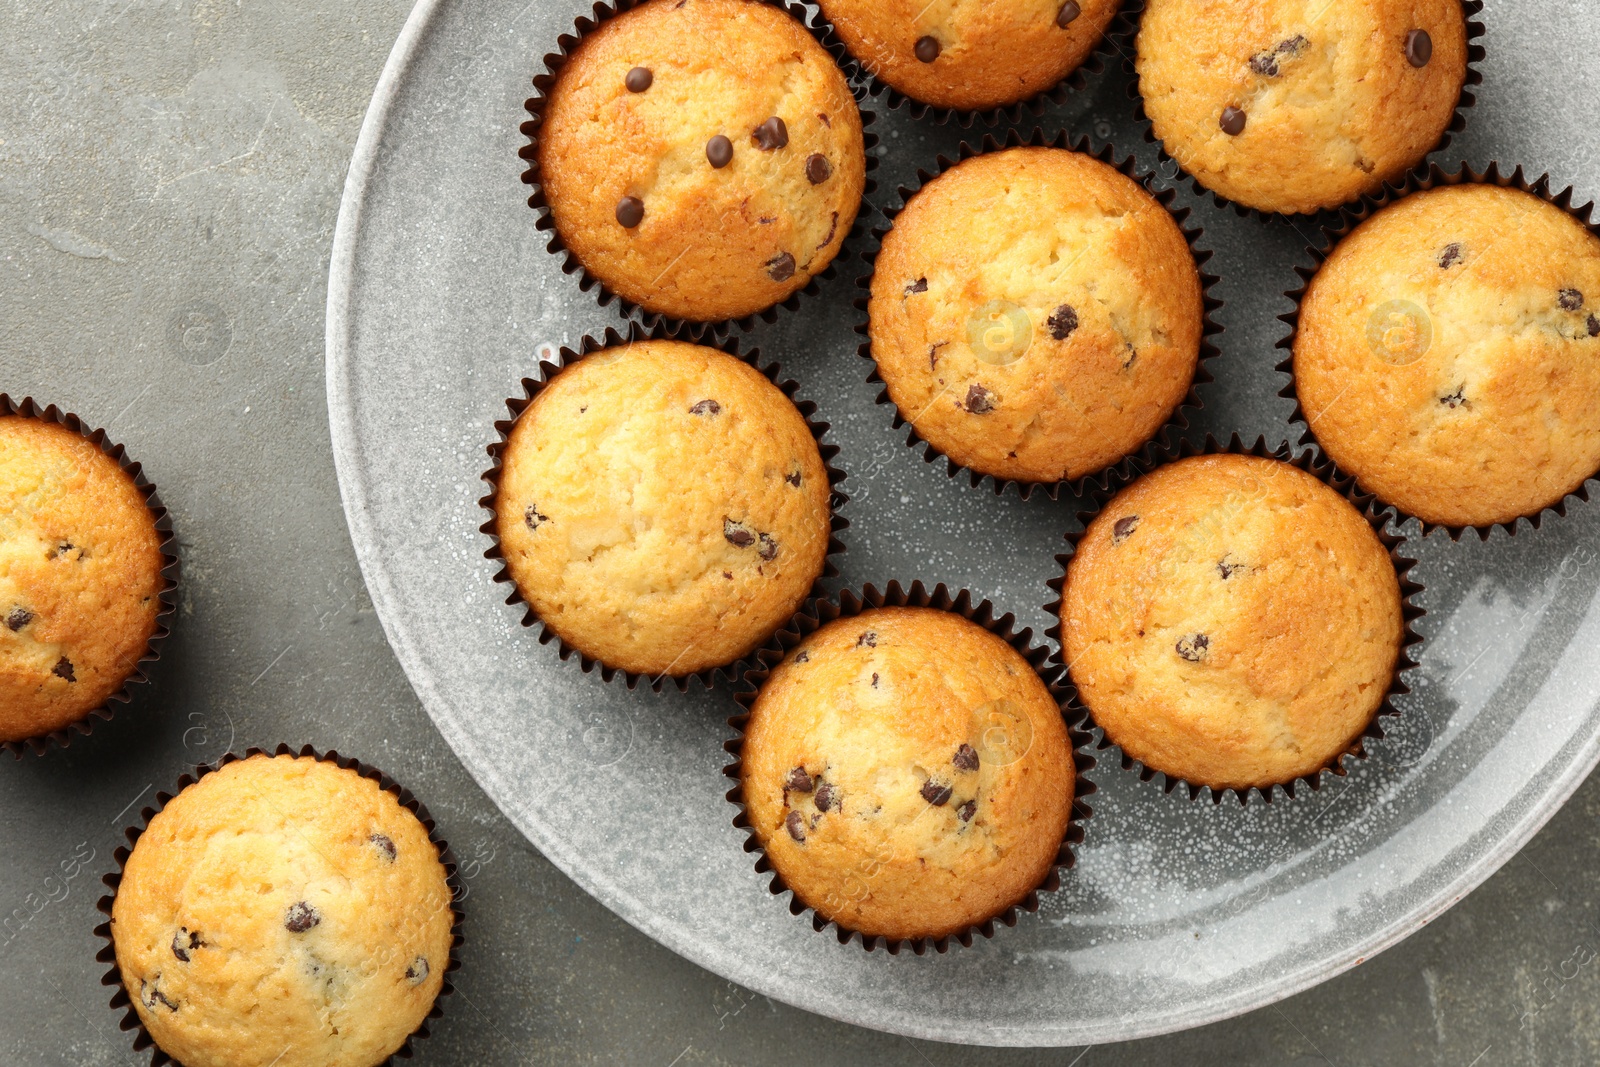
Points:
(927, 49)
(1293, 46)
(1232, 121)
(150, 995)
(966, 811)
(300, 918)
(1594, 331)
(769, 548)
(1456, 399)
(1571, 300)
(63, 669)
(793, 478)
(979, 400)
(966, 758)
(874, 679)
(818, 169)
(59, 550)
(796, 825)
(184, 942)
(771, 134)
(385, 846)
(719, 151)
(798, 780)
(1133, 354)
(804, 657)
(1068, 14)
(1194, 647)
(1419, 48)
(18, 618)
(1123, 528)
(533, 517)
(935, 792)
(780, 268)
(827, 798)
(1450, 256)
(1063, 320)
(630, 211)
(1265, 64)
(737, 533)
(833, 228)
(918, 286)
(868, 638)
(638, 79)
(706, 407)
(417, 973)
(1228, 570)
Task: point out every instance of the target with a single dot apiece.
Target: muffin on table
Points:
(284, 911)
(970, 56)
(908, 773)
(663, 507)
(1448, 354)
(1293, 106)
(1232, 622)
(80, 577)
(1035, 314)
(702, 159)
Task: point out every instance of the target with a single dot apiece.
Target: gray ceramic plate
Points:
(442, 297)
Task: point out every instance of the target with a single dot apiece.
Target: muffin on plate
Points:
(285, 911)
(908, 773)
(1232, 621)
(1448, 354)
(971, 56)
(702, 159)
(663, 507)
(80, 577)
(1035, 314)
(1293, 106)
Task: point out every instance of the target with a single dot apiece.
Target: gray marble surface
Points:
(169, 177)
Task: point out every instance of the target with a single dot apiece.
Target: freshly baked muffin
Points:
(1299, 105)
(908, 773)
(80, 577)
(283, 911)
(970, 56)
(702, 159)
(1231, 621)
(1448, 354)
(663, 507)
(1035, 314)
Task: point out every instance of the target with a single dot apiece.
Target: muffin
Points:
(1448, 354)
(663, 507)
(701, 158)
(970, 56)
(1298, 105)
(1232, 622)
(1035, 314)
(80, 577)
(908, 773)
(283, 911)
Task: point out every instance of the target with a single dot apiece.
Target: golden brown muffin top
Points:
(1299, 105)
(908, 773)
(80, 577)
(1035, 314)
(1448, 354)
(283, 911)
(626, 149)
(1232, 621)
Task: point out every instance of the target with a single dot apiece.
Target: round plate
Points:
(442, 296)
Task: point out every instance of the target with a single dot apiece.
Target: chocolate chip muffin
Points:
(971, 56)
(908, 773)
(1232, 622)
(283, 911)
(702, 158)
(80, 577)
(1035, 314)
(663, 507)
(1298, 105)
(1448, 354)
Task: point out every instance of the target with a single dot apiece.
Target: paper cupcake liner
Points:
(1177, 423)
(570, 264)
(611, 339)
(1133, 468)
(1169, 165)
(170, 568)
(1353, 215)
(108, 954)
(1113, 44)
(847, 605)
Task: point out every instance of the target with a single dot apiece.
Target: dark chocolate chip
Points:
(966, 811)
(300, 918)
(1123, 528)
(151, 995)
(793, 478)
(827, 798)
(780, 268)
(1265, 64)
(417, 973)
(1228, 570)
(1068, 14)
(771, 134)
(533, 517)
(818, 169)
(638, 79)
(1194, 647)
(1571, 299)
(769, 548)
(935, 792)
(706, 407)
(1293, 46)
(804, 657)
(796, 825)
(874, 679)
(1456, 399)
(1232, 121)
(719, 151)
(918, 286)
(630, 211)
(799, 781)
(1594, 331)
(1450, 256)
(833, 228)
(1419, 48)
(979, 400)
(184, 942)
(59, 550)
(738, 534)
(18, 618)
(1063, 320)
(927, 49)
(868, 638)
(384, 845)
(63, 669)
(966, 758)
